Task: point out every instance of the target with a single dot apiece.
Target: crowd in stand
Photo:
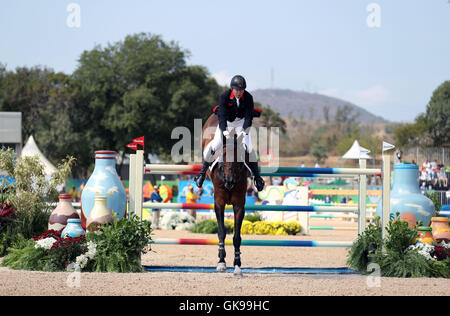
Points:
(432, 175)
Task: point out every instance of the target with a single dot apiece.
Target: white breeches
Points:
(216, 143)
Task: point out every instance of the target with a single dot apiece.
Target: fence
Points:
(419, 155)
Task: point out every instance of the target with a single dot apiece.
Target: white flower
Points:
(423, 249)
(176, 220)
(82, 260)
(45, 243)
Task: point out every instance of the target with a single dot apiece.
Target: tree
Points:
(270, 118)
(318, 151)
(345, 120)
(140, 86)
(412, 134)
(437, 115)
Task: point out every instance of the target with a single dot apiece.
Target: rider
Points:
(235, 112)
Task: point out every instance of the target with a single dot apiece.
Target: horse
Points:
(230, 186)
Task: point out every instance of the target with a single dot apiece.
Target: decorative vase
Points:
(441, 230)
(424, 236)
(104, 181)
(63, 211)
(73, 228)
(99, 215)
(406, 197)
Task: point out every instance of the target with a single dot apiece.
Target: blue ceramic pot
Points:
(104, 181)
(406, 197)
(73, 228)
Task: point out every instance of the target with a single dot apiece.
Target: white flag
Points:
(387, 146)
(363, 150)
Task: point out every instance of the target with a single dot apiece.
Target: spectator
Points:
(74, 194)
(156, 198)
(302, 165)
(398, 156)
(423, 176)
(423, 188)
(327, 199)
(427, 166)
(191, 197)
(344, 200)
(317, 165)
(442, 179)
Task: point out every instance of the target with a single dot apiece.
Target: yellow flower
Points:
(247, 228)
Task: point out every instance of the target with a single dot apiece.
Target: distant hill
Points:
(308, 106)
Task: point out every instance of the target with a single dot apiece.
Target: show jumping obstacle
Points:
(274, 243)
(136, 204)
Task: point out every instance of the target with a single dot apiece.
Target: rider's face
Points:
(238, 93)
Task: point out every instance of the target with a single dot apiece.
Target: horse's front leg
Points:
(239, 213)
(219, 208)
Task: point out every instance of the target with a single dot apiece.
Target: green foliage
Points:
(29, 194)
(411, 264)
(394, 254)
(118, 248)
(210, 226)
(412, 134)
(253, 217)
(127, 89)
(270, 118)
(318, 151)
(437, 115)
(364, 247)
(27, 257)
(436, 202)
(120, 244)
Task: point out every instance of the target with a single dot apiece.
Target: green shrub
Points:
(120, 245)
(436, 202)
(210, 226)
(29, 195)
(253, 217)
(396, 254)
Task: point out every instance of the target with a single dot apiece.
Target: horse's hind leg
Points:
(220, 210)
(239, 214)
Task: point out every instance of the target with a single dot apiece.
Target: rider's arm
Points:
(222, 112)
(248, 116)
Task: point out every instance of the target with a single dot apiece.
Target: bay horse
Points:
(229, 177)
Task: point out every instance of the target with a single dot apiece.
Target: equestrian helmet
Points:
(238, 83)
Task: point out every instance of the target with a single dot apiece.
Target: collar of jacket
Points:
(232, 95)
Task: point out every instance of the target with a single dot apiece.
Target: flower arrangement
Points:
(399, 255)
(176, 221)
(250, 228)
(24, 211)
(115, 247)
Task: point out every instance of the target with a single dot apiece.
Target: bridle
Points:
(237, 172)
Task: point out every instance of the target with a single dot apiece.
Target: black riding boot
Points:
(202, 174)
(259, 182)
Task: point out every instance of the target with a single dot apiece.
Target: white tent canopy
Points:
(357, 152)
(31, 149)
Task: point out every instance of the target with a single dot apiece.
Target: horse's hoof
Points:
(237, 271)
(221, 267)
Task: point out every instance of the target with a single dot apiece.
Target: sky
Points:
(384, 56)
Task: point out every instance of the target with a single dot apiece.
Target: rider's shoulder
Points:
(226, 94)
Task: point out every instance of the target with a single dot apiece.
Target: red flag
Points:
(140, 141)
(132, 146)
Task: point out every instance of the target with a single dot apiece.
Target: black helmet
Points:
(238, 83)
